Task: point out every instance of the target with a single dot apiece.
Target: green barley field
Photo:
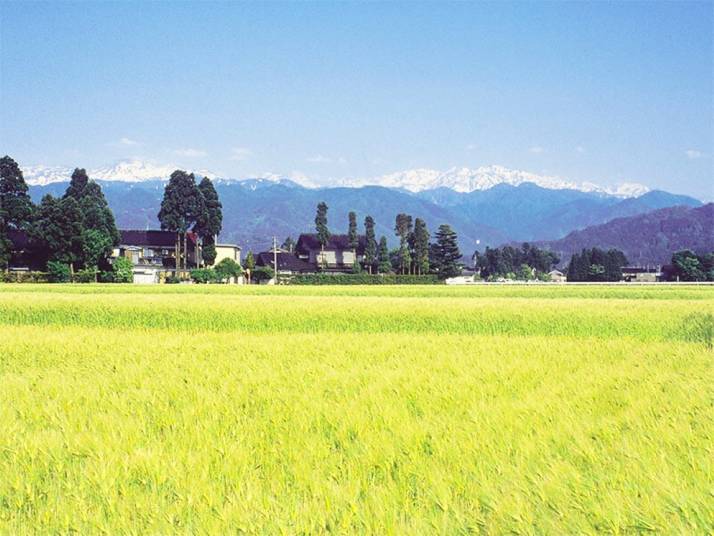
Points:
(356, 410)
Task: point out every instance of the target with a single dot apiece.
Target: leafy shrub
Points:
(23, 277)
(87, 275)
(122, 270)
(262, 273)
(226, 269)
(58, 272)
(361, 279)
(203, 275)
(172, 280)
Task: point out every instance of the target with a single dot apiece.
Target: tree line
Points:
(525, 263)
(416, 255)
(596, 265)
(68, 234)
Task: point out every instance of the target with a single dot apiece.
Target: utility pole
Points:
(275, 259)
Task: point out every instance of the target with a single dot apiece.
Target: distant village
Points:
(74, 238)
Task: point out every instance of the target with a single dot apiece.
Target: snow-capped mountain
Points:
(468, 180)
(415, 180)
(125, 171)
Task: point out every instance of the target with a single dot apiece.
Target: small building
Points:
(19, 250)
(337, 255)
(556, 276)
(288, 263)
(640, 274)
(153, 253)
(227, 251)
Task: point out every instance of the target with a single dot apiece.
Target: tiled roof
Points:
(164, 239)
(286, 262)
(309, 242)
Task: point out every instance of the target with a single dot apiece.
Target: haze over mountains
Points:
(486, 206)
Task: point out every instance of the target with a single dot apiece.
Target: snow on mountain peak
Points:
(462, 179)
(459, 179)
(126, 171)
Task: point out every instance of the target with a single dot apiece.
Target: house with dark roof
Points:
(336, 256)
(19, 250)
(288, 263)
(641, 274)
(153, 252)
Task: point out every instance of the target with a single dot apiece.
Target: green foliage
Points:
(56, 234)
(361, 279)
(250, 261)
(596, 265)
(288, 245)
(370, 251)
(208, 251)
(172, 280)
(58, 272)
(688, 266)
(204, 275)
(77, 184)
(384, 264)
(323, 233)
(352, 236)
(15, 205)
(403, 229)
(22, 276)
(86, 275)
(209, 221)
(262, 273)
(122, 270)
(446, 253)
(499, 262)
(421, 247)
(226, 269)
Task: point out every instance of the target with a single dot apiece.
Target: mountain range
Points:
(501, 206)
(649, 238)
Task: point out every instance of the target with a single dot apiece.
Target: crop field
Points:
(370, 410)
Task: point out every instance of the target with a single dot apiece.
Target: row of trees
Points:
(190, 206)
(415, 255)
(524, 263)
(688, 266)
(76, 230)
(596, 265)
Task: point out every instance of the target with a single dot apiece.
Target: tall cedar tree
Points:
(403, 228)
(352, 237)
(210, 222)
(421, 246)
(288, 244)
(56, 234)
(249, 265)
(323, 233)
(370, 250)
(99, 231)
(15, 205)
(385, 265)
(181, 208)
(447, 253)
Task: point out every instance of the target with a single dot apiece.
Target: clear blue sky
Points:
(607, 92)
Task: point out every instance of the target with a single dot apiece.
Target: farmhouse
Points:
(556, 276)
(639, 274)
(337, 255)
(288, 263)
(19, 245)
(227, 251)
(153, 252)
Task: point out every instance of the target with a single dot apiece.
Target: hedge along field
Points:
(275, 411)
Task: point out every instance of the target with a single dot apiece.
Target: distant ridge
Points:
(648, 238)
(462, 180)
